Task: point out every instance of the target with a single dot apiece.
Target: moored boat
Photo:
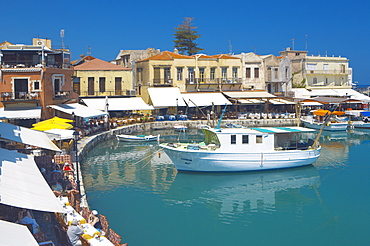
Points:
(316, 121)
(244, 149)
(180, 128)
(137, 138)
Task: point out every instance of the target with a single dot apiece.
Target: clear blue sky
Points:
(267, 27)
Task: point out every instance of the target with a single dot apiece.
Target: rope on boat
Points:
(151, 156)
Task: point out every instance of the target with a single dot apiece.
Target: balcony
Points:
(330, 72)
(163, 82)
(20, 96)
(59, 95)
(105, 93)
(215, 81)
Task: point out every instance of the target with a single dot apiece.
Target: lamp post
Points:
(76, 136)
(106, 111)
(177, 109)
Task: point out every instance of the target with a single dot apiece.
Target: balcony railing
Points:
(334, 72)
(168, 81)
(20, 95)
(216, 81)
(62, 95)
(105, 93)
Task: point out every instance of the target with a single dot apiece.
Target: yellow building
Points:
(198, 73)
(100, 78)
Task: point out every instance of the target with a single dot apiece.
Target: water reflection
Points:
(233, 193)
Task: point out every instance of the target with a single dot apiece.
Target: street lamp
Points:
(76, 135)
(177, 108)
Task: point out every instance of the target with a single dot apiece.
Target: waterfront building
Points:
(33, 77)
(127, 58)
(198, 73)
(95, 77)
(266, 72)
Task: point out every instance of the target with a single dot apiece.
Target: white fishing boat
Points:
(137, 138)
(244, 149)
(316, 121)
(360, 120)
(180, 128)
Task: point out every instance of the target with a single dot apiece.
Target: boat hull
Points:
(213, 161)
(329, 127)
(130, 138)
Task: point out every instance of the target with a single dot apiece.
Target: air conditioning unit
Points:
(130, 92)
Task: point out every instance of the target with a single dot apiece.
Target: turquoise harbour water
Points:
(149, 203)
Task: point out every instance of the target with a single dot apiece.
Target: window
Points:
(90, 86)
(248, 72)
(314, 80)
(311, 66)
(36, 85)
(212, 75)
(245, 139)
(102, 84)
(235, 72)
(256, 72)
(233, 139)
(191, 74)
(179, 73)
(224, 72)
(118, 85)
(201, 74)
(259, 139)
(297, 54)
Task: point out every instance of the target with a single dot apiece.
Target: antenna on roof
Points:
(62, 37)
(293, 43)
(88, 50)
(230, 48)
(306, 42)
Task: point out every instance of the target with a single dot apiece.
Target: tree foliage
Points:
(185, 35)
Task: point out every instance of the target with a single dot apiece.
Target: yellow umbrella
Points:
(55, 119)
(52, 125)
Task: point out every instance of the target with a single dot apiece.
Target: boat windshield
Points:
(210, 137)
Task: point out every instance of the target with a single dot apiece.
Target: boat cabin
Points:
(258, 140)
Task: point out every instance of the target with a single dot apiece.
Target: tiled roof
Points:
(167, 55)
(97, 64)
(223, 56)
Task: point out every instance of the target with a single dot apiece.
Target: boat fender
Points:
(328, 124)
(159, 154)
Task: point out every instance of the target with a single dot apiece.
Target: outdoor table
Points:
(89, 231)
(102, 241)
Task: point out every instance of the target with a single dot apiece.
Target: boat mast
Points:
(222, 115)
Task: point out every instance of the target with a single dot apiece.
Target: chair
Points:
(84, 241)
(85, 212)
(47, 243)
(114, 238)
(104, 223)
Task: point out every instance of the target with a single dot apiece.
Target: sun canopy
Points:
(26, 136)
(205, 99)
(13, 234)
(322, 112)
(283, 129)
(117, 104)
(22, 185)
(79, 110)
(20, 113)
(53, 123)
(166, 97)
(366, 113)
(248, 94)
(59, 134)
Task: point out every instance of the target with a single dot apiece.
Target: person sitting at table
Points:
(94, 220)
(25, 217)
(74, 232)
(57, 186)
